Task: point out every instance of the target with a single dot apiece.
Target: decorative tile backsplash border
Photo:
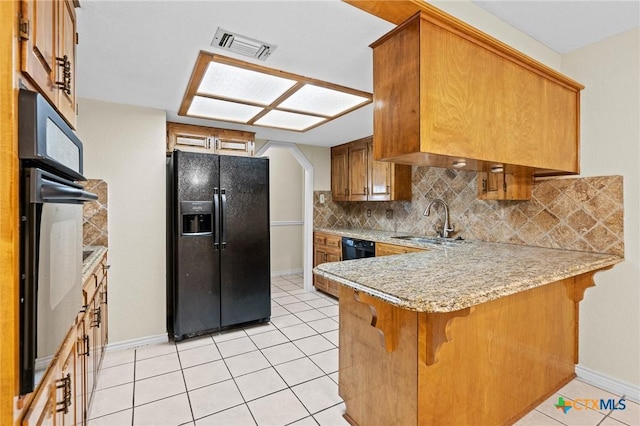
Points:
(95, 218)
(584, 214)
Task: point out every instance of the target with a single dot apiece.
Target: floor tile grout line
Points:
(133, 393)
(184, 380)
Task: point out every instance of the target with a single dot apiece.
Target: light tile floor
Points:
(282, 373)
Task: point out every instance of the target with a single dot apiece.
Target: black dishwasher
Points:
(357, 249)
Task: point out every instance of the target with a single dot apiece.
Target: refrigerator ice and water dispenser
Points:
(197, 217)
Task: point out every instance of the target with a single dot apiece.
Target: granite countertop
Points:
(453, 277)
(92, 260)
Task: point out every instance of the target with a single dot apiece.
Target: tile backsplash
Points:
(584, 214)
(95, 218)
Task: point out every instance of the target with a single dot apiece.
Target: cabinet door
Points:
(39, 45)
(340, 173)
(66, 63)
(82, 383)
(67, 383)
(333, 256)
(379, 178)
(191, 142)
(243, 148)
(358, 173)
(87, 353)
(105, 318)
(42, 410)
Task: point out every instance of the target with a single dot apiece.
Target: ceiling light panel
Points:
(222, 110)
(228, 89)
(320, 100)
(288, 120)
(226, 81)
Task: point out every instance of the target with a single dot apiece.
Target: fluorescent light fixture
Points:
(227, 89)
(226, 81)
(222, 110)
(320, 100)
(288, 120)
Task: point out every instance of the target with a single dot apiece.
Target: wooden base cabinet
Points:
(56, 401)
(326, 248)
(94, 323)
(489, 364)
(64, 394)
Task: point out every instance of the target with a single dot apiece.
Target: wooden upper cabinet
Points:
(186, 137)
(340, 173)
(358, 171)
(48, 52)
(446, 92)
(356, 176)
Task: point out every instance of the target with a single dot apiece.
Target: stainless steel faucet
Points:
(445, 229)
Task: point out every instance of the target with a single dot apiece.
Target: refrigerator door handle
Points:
(223, 218)
(216, 219)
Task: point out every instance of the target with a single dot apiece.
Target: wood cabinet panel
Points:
(433, 357)
(451, 92)
(356, 176)
(210, 140)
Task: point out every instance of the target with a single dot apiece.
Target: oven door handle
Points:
(55, 192)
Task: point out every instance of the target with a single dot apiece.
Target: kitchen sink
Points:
(432, 240)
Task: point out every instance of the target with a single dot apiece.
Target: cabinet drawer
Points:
(333, 241)
(320, 240)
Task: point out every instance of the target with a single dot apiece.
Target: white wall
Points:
(610, 133)
(320, 158)
(286, 189)
(125, 146)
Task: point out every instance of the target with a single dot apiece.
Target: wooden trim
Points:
(9, 226)
(203, 60)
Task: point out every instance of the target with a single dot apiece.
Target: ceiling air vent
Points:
(242, 45)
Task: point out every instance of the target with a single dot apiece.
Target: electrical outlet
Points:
(321, 198)
(368, 212)
(389, 213)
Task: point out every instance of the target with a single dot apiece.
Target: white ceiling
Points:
(142, 52)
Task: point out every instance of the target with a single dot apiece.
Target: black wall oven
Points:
(50, 234)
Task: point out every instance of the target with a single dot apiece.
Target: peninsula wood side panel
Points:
(488, 364)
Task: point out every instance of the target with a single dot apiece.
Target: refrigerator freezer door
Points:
(245, 266)
(196, 291)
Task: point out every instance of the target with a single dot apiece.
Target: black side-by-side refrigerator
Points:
(218, 268)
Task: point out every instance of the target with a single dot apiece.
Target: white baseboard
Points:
(289, 272)
(630, 392)
(135, 343)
